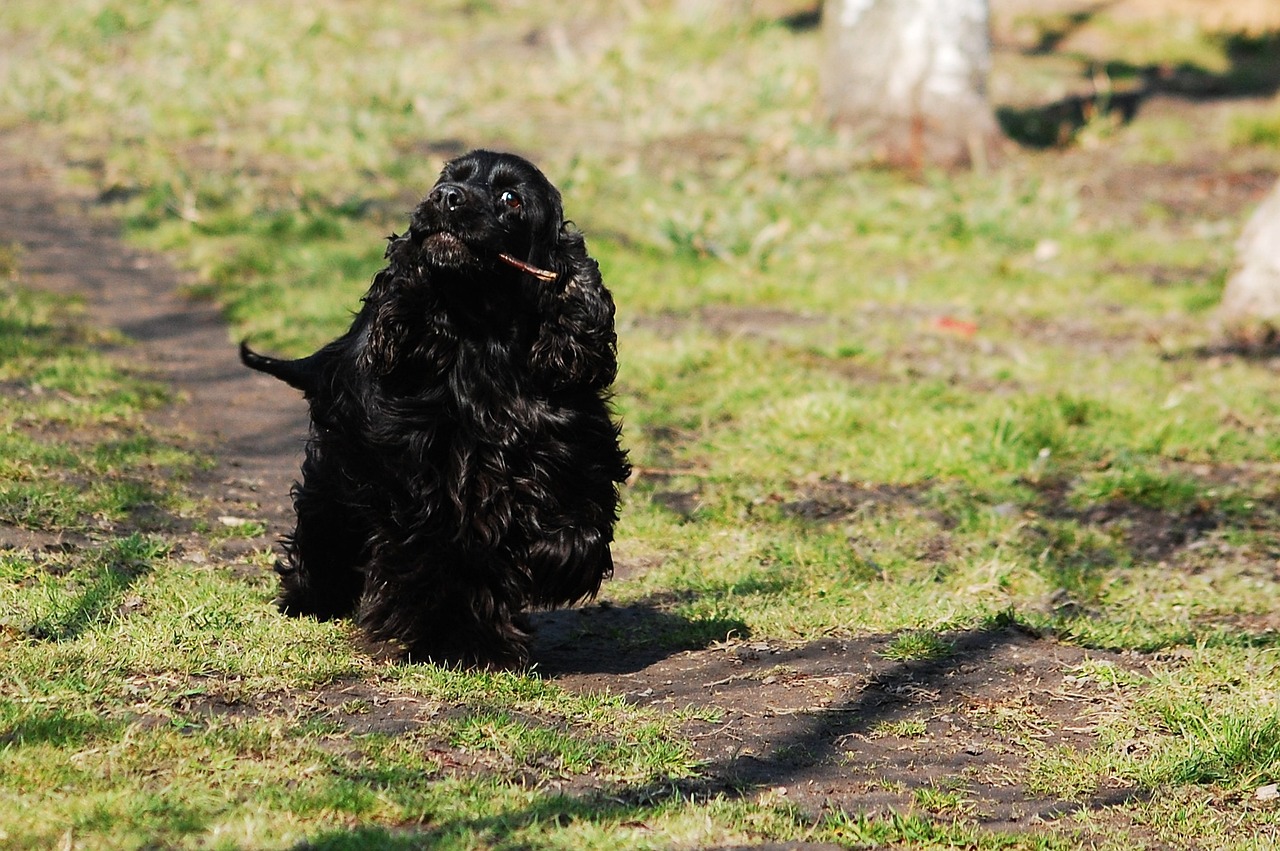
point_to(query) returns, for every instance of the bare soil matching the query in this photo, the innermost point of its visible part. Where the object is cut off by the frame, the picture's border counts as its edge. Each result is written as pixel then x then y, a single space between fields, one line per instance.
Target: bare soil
pixel 833 724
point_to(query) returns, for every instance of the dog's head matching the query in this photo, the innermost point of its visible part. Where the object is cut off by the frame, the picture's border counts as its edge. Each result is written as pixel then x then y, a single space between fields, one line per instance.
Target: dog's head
pixel 491 234
pixel 485 205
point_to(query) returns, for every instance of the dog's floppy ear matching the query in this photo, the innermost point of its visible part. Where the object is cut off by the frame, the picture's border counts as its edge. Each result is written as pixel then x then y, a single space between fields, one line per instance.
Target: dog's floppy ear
pixel 576 343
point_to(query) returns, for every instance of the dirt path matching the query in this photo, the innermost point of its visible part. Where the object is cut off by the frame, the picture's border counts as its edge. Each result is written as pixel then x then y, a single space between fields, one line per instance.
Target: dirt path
pixel 833 724
pixel 252 426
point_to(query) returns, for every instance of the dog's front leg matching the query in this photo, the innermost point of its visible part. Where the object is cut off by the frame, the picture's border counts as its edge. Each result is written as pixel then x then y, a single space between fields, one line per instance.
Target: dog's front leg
pixel 448 609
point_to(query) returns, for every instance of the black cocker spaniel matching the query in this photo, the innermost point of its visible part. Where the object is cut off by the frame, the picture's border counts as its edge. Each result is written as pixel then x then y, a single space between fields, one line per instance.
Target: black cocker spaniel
pixel 463 464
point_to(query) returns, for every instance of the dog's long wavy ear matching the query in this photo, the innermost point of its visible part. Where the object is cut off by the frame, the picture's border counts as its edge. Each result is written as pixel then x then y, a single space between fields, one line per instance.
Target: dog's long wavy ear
pixel 576 344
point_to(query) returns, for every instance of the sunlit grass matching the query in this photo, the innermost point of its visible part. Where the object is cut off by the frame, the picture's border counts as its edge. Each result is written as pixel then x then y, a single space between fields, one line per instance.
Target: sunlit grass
pixel 859 402
pixel 75 448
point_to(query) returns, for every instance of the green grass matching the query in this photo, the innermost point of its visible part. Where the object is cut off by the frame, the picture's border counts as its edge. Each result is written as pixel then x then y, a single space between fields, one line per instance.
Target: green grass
pixel 75 449
pixel 919 645
pixel 1196 735
pixel 1260 130
pixel 859 402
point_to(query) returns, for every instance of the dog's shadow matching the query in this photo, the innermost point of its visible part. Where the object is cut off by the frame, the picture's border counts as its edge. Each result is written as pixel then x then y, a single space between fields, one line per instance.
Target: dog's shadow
pixel 606 638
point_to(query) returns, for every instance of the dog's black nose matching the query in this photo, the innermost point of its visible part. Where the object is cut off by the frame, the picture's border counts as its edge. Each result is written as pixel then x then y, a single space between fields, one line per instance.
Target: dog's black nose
pixel 447 196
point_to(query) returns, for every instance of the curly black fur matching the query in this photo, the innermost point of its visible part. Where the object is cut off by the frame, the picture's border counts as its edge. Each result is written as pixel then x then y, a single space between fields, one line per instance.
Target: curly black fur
pixel 462 465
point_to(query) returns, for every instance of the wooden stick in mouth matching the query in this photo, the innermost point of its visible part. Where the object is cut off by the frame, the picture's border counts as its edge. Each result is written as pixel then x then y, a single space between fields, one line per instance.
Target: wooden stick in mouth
pixel 525 267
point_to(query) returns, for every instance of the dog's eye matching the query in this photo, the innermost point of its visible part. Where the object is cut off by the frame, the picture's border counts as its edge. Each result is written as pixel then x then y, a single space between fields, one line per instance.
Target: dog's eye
pixel 510 200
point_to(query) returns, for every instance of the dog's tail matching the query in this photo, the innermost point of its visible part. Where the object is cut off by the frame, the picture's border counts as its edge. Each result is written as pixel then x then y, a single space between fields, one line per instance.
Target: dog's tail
pixel 300 373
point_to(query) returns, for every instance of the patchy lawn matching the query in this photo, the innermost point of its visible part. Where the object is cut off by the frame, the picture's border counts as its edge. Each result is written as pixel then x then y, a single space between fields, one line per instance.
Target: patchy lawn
pixel 953 525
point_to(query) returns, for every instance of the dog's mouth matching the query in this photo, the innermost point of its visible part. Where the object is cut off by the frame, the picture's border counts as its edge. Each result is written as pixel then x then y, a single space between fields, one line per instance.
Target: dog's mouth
pixel 446 249
pixel 451 251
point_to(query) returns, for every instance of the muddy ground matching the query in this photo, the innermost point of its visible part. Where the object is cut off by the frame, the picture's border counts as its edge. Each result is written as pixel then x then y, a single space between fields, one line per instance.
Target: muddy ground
pixel 814 724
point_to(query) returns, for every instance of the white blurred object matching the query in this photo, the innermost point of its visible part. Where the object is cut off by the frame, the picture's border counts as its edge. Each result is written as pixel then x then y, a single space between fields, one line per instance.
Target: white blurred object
pixel 1251 300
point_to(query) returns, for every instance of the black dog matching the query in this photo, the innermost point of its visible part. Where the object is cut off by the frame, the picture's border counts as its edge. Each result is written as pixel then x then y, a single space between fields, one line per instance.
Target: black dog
pixel 462 464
